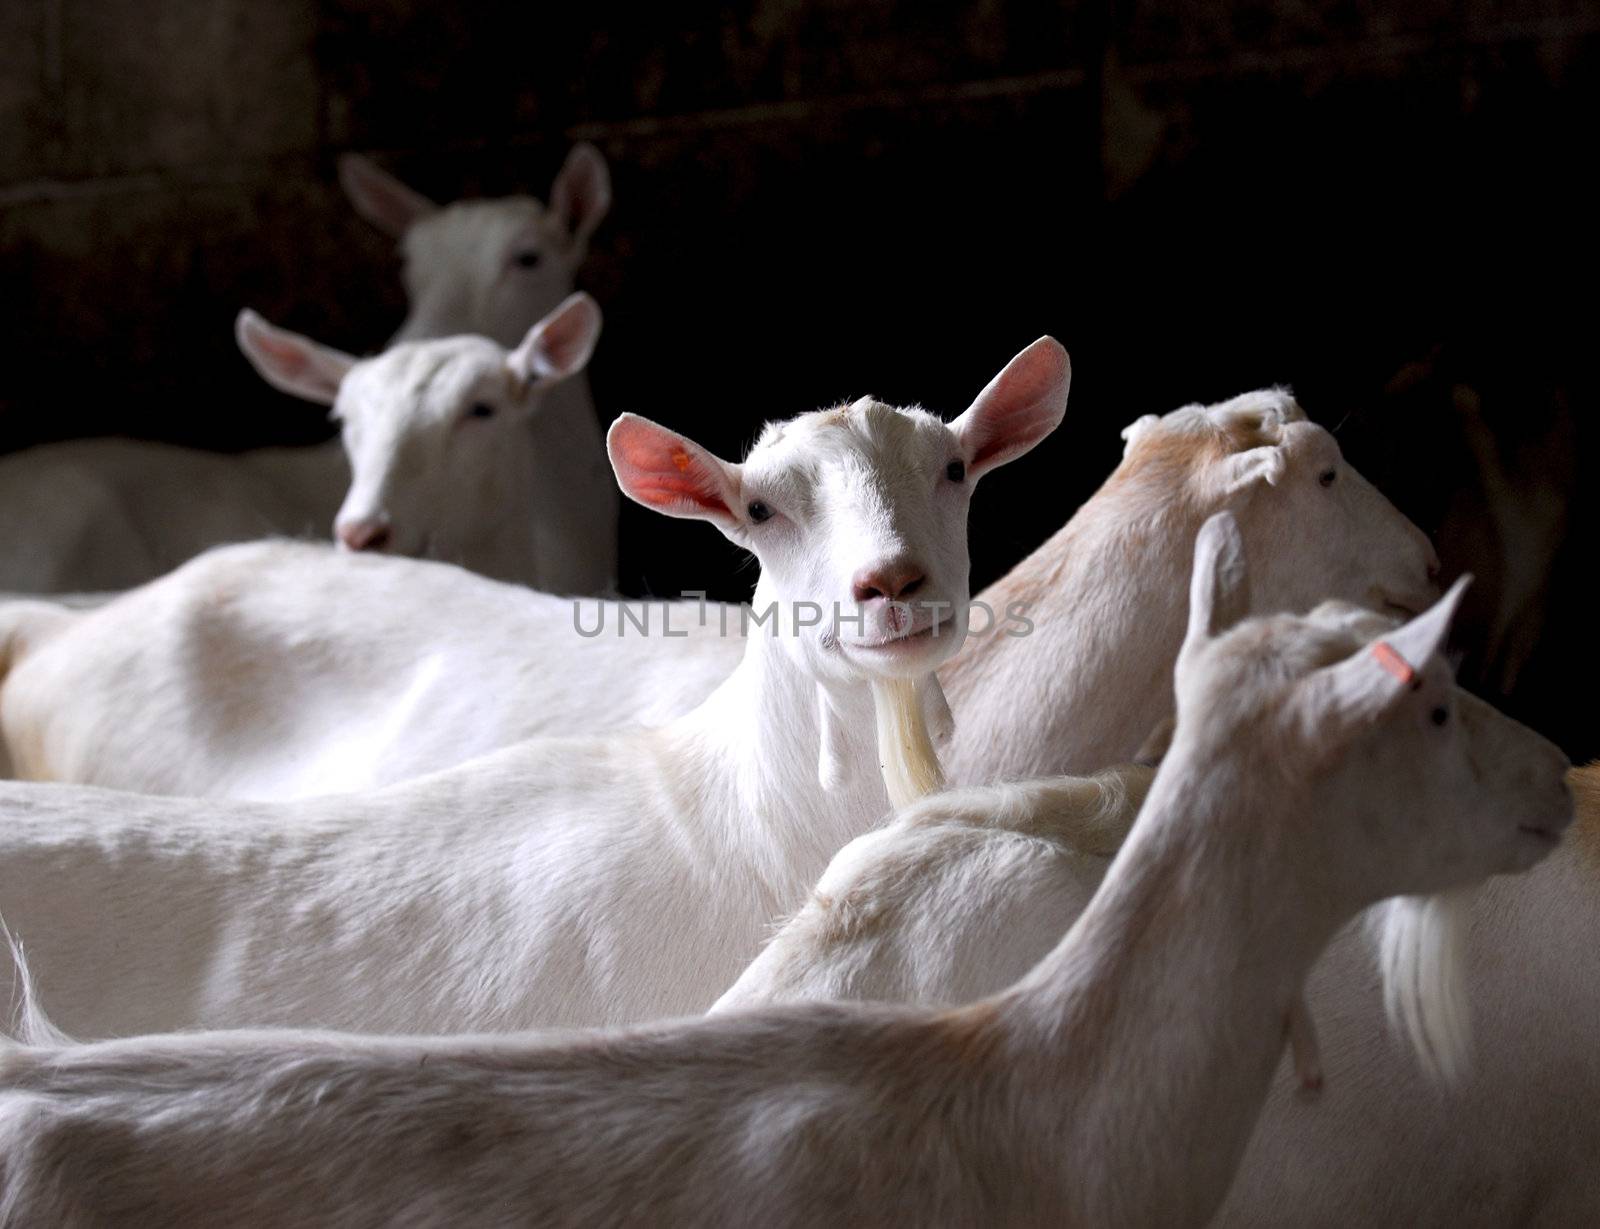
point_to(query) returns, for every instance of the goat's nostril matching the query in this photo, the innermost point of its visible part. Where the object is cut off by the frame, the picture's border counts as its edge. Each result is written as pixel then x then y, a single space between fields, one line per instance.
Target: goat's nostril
pixel 893 581
pixel 364 535
pixel 864 592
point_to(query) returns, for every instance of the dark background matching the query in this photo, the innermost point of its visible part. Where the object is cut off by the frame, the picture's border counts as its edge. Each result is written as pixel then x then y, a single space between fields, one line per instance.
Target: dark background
pixel 1386 206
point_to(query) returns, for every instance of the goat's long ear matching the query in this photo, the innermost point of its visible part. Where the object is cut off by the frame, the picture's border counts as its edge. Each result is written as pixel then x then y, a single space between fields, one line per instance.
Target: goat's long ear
pixel 381 198
pixel 1219 586
pixel 559 345
pixel 581 194
pixel 1017 409
pixel 1366 686
pixel 289 362
pixel 662 470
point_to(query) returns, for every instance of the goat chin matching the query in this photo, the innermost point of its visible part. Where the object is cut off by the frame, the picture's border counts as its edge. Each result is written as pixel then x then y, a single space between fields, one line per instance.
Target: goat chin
pixel 911 768
pixel 1421 945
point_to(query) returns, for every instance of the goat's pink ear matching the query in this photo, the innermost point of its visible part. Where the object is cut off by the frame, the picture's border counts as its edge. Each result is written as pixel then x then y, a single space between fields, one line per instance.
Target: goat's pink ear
pixel 662 470
pixel 581 195
pixel 381 198
pixel 1219 585
pixel 1018 408
pixel 289 362
pixel 1363 688
pixel 559 345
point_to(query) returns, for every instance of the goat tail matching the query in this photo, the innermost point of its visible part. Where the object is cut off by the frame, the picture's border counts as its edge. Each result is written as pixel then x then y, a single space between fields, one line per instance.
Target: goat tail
pixel 1422 954
pixel 24 622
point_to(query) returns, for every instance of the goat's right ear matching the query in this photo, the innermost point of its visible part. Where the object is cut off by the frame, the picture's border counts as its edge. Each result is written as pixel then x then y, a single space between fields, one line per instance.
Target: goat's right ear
pixel 1219 586
pixel 381 198
pixel 289 362
pixel 559 345
pixel 662 470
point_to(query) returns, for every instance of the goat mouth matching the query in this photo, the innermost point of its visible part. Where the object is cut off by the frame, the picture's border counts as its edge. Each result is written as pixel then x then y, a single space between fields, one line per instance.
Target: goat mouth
pixel 906 641
pixel 1550 836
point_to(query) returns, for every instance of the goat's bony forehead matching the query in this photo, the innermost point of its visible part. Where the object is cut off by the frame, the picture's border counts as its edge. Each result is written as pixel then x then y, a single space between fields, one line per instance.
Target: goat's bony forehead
pixel 427 380
pixel 468 229
pixel 863 436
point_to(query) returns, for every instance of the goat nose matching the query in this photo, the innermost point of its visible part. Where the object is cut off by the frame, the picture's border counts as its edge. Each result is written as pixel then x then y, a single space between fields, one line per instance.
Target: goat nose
pixel 892 581
pixel 364 535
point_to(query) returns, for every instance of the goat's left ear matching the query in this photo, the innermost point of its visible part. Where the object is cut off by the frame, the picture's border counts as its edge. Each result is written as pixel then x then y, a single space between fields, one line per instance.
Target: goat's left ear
pixel 1219 585
pixel 1362 689
pixel 1018 408
pixel 581 195
pixel 559 345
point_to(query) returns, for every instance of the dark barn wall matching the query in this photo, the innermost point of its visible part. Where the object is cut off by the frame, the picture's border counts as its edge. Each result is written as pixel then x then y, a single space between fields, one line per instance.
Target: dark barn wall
pixel 1385 206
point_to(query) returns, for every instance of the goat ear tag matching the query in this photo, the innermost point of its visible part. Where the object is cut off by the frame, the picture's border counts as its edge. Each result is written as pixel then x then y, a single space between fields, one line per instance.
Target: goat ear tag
pixel 1396 665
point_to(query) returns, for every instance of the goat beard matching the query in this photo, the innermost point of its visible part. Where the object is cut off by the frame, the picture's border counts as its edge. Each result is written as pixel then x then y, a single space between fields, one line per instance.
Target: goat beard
pixel 911 768
pixel 1422 955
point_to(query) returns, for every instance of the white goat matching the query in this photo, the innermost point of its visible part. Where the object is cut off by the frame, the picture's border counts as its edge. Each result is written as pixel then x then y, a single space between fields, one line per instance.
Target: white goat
pixel 949 901
pixel 444 460
pixel 106 514
pixel 561 880
pixel 493 267
pixel 320 677
pixel 1115 1085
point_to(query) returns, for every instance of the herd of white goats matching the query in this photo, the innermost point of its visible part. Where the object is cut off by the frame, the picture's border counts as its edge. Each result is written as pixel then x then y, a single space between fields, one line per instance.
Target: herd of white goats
pixel 287 789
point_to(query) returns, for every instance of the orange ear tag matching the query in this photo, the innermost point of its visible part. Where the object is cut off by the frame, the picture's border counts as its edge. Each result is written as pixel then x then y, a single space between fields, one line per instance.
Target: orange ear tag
pixel 681 460
pixel 1396 665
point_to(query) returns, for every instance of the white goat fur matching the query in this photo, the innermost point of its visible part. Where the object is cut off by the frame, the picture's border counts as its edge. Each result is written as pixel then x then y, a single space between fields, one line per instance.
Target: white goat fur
pixel 109 701
pixel 595 880
pixel 138 509
pixel 1149 1034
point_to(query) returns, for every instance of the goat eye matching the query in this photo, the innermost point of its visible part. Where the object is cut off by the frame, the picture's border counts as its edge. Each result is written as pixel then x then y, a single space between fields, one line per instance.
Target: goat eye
pixel 1439 715
pixel 1327 476
pixel 956 471
pixel 528 260
pixel 481 409
pixel 759 511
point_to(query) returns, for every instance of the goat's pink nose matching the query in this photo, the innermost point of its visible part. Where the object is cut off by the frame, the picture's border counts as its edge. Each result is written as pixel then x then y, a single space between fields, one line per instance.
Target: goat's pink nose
pixel 892 581
pixel 364 535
